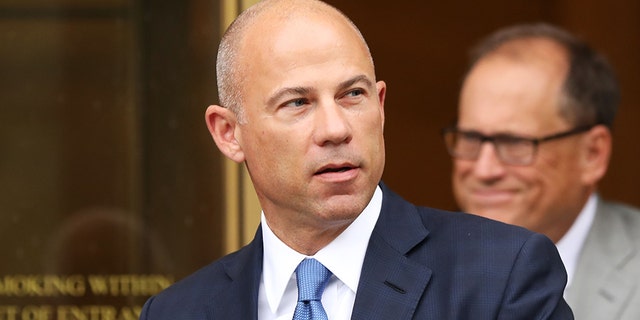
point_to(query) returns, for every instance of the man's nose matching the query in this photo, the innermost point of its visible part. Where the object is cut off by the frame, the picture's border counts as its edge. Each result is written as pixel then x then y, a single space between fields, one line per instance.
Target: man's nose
pixel 488 164
pixel 332 123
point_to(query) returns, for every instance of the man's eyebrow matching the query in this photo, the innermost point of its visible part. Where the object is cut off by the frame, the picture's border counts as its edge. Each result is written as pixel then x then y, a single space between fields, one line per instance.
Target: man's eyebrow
pixel 361 78
pixel 287 91
pixel 306 90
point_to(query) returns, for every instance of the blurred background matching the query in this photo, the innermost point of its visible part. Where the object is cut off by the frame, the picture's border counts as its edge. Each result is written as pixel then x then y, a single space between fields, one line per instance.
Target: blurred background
pixel 106 165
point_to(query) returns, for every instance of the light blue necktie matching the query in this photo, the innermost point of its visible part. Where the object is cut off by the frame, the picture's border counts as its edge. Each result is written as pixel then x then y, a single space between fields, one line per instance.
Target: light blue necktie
pixel 312 277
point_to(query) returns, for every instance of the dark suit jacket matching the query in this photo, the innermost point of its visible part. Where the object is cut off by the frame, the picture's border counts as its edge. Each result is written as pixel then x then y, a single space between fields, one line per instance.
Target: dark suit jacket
pixel 421 263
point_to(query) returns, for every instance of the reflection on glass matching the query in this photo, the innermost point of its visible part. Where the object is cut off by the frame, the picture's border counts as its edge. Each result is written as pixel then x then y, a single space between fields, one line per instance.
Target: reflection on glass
pixel 110 189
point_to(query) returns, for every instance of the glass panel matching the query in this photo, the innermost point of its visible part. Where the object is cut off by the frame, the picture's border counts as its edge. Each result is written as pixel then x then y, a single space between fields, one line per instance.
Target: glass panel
pixel 110 184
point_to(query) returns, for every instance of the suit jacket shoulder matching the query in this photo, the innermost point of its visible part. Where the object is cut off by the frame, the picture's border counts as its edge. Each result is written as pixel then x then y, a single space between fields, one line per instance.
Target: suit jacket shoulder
pixel 225 289
pixel 424 263
pixel 606 284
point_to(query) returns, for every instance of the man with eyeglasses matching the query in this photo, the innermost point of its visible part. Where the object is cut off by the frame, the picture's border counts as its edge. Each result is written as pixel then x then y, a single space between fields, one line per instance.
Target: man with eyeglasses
pixel 532 140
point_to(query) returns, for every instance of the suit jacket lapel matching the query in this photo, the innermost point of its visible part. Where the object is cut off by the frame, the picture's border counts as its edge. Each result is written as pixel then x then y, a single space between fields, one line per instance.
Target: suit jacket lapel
pixel 240 300
pixel 391 284
pixel 599 279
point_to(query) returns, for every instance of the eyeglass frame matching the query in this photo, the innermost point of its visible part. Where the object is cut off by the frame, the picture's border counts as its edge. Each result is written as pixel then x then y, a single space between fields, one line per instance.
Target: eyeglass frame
pixel 534 142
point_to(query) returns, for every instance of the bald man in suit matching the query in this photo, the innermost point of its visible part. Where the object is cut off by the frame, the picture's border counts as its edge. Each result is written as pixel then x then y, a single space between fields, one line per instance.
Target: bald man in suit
pixel 300 106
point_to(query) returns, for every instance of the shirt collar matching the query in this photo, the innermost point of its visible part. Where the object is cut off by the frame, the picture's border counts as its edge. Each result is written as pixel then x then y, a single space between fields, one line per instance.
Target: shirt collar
pixel 571 243
pixel 343 256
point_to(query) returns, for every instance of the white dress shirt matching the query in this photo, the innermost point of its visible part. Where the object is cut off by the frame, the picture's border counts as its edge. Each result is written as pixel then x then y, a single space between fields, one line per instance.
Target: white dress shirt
pixel 571 243
pixel 344 256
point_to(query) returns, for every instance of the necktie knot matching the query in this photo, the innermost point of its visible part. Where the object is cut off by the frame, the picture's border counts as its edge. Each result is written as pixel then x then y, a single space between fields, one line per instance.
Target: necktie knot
pixel 312 277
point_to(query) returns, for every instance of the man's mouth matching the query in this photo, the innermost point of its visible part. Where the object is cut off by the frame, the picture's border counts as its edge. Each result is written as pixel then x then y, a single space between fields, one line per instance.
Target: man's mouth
pixel 335 169
pixel 329 170
pixel 493 196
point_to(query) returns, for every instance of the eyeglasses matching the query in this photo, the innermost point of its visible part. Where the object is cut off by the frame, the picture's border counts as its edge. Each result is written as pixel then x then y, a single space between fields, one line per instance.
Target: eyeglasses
pixel 511 150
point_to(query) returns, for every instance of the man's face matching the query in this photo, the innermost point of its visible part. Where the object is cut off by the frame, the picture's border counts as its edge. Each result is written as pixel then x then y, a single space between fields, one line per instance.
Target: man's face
pixel 313 132
pixel 503 96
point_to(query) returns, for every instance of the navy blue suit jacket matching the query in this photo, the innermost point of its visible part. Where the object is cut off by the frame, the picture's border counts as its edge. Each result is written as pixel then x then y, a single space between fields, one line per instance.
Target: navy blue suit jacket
pixel 421 263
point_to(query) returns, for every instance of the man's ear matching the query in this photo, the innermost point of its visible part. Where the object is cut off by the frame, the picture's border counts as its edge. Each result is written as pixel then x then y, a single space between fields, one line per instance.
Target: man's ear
pixel 596 155
pixel 222 124
pixel 381 87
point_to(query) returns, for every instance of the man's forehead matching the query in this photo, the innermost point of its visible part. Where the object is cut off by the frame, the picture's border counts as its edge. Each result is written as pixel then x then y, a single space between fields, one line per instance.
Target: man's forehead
pixel 297 42
pixel 532 50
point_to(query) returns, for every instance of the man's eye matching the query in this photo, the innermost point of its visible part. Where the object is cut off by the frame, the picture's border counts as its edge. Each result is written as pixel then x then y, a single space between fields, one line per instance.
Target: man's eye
pixel 355 93
pixel 296 103
pixel 512 141
pixel 470 136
